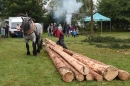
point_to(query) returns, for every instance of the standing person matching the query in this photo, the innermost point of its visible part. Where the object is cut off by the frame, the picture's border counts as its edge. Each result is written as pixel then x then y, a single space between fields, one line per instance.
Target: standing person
pixel 3 32
pixel 60 27
pixel 67 30
pixel 74 33
pixel 49 30
pixel 52 27
pixel 60 35
pixel 21 32
pixel 18 31
pixel 77 31
pixel 72 29
pixel 6 30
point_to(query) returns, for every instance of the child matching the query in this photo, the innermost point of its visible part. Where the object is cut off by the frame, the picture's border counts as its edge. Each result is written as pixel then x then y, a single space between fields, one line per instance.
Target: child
pixel 74 33
pixel 3 32
pixel 77 31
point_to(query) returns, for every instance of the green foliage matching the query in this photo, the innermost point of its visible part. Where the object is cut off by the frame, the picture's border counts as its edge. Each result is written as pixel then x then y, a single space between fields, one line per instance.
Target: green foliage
pixel 14 7
pixel 118 11
pixel 115 9
pixel 108 41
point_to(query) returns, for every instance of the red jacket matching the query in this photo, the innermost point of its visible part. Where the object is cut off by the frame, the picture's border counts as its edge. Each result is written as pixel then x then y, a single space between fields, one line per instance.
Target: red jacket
pixel 58 34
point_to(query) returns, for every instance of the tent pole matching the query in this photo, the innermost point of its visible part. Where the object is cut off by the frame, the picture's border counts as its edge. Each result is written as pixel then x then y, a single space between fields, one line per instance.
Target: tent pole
pixel 110 25
pixel 101 27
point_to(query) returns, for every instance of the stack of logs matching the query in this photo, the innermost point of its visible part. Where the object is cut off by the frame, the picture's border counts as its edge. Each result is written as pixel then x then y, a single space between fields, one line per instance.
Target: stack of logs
pixel 72 65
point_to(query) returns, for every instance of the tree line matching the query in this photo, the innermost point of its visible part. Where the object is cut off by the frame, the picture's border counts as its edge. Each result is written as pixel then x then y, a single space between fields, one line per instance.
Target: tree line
pixel 117 10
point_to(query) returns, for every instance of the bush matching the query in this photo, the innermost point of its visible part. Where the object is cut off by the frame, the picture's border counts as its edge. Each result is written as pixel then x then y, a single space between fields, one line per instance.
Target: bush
pixel 109 41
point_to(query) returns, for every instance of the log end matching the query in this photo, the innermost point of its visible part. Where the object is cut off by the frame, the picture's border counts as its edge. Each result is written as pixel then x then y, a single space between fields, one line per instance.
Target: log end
pixel 110 73
pixel 123 75
pixel 99 78
pixel 84 70
pixel 89 77
pixel 79 77
pixel 68 77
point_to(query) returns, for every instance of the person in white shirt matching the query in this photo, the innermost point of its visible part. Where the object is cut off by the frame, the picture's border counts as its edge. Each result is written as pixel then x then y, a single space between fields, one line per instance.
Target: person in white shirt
pixel 18 31
pixel 60 27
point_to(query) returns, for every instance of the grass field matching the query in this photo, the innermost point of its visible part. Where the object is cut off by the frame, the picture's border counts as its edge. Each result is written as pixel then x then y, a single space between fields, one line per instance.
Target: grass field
pixel 18 69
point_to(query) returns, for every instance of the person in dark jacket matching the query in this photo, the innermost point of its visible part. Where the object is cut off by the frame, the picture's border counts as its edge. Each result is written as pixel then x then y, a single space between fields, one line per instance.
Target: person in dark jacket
pixel 67 30
pixel 6 30
pixel 60 35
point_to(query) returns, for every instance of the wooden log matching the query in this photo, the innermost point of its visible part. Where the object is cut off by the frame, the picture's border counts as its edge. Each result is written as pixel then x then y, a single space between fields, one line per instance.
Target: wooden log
pixel 72 53
pixel 89 77
pixel 65 73
pixel 123 75
pixel 96 76
pixel 48 41
pixel 78 76
pixel 108 72
pixel 82 68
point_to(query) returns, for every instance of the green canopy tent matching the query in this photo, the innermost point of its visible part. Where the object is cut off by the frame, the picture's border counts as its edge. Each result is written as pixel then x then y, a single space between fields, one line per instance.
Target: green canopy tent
pixel 98 17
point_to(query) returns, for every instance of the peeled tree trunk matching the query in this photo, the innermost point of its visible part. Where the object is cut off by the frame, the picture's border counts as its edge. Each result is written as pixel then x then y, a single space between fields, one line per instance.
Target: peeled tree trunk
pixel 53 44
pixel 78 76
pixel 107 71
pixel 97 70
pixel 122 74
pixel 64 71
pixel 89 77
pixel 82 68
pixel 96 76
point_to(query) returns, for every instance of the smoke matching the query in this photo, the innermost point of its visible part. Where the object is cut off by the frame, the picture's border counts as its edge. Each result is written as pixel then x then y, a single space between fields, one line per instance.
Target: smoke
pixel 64 9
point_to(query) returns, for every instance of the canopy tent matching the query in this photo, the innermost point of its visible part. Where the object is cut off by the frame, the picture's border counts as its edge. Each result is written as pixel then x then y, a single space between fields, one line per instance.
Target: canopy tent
pixel 98 17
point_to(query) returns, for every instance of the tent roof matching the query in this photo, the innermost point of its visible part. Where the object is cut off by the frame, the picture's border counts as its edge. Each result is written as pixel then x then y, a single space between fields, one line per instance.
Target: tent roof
pixel 97 17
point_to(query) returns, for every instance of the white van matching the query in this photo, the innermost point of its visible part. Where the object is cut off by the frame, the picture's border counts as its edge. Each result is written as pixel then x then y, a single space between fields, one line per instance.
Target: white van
pixel 13 21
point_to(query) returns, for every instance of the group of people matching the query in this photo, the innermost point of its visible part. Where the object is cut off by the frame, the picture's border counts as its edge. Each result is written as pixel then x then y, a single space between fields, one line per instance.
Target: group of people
pixel 71 30
pixel 59 31
pixel 5 31
pixel 67 29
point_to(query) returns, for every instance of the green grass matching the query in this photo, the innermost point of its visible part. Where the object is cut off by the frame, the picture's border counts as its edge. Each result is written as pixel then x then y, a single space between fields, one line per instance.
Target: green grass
pixel 18 69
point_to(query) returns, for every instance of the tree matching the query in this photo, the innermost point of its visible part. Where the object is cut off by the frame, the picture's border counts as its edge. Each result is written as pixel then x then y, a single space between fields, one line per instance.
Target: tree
pixel 118 10
pixel 31 7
